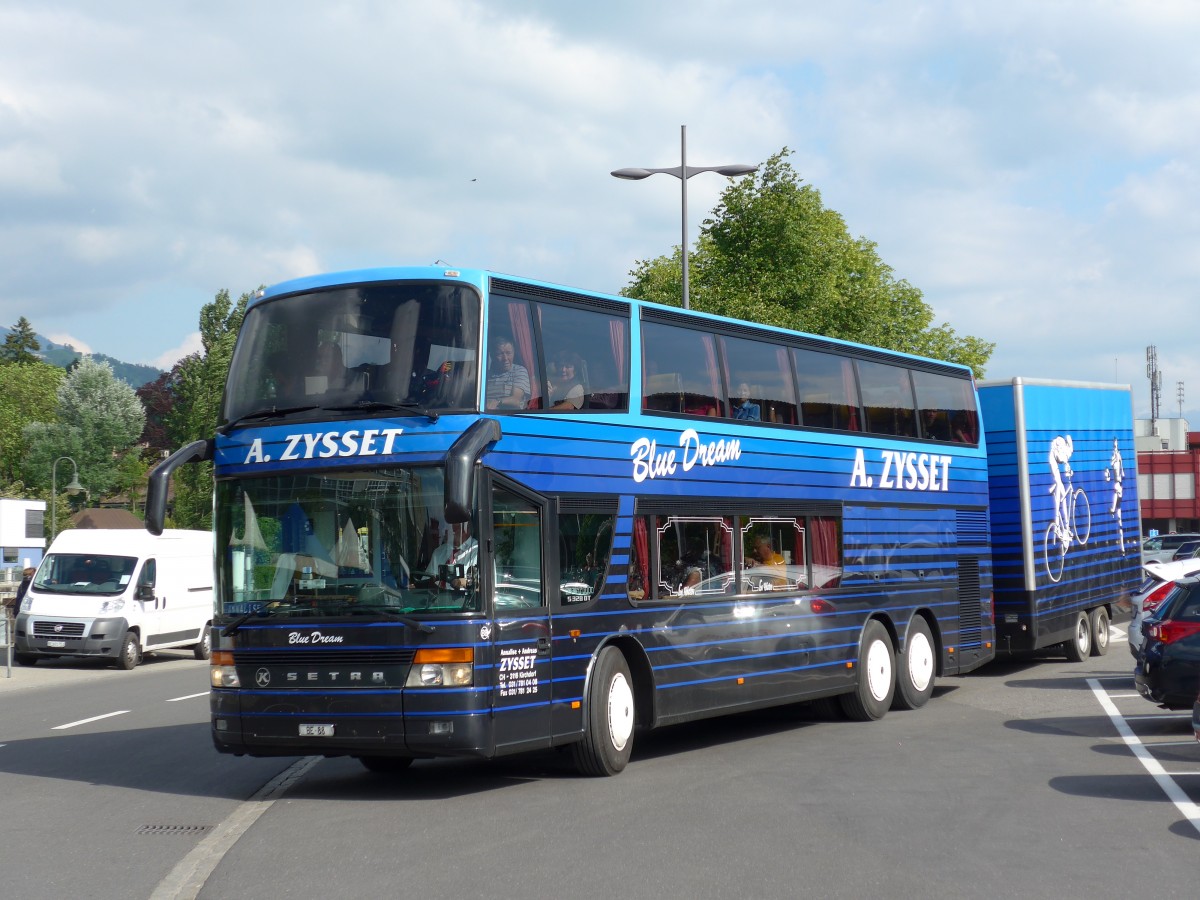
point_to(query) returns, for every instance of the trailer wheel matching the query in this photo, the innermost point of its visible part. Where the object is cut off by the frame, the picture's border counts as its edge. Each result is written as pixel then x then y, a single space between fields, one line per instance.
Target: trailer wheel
pixel 203 650
pixel 611 715
pixel 1079 647
pixel 915 667
pixel 876 687
pixel 131 652
pixel 1098 622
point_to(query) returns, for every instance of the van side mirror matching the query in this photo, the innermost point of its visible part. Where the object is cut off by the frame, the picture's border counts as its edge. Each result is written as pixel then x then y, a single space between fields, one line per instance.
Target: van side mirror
pixel 144 592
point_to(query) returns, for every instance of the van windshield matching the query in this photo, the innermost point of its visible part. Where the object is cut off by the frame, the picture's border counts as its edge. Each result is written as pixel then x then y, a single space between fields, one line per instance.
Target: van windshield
pixel 77 573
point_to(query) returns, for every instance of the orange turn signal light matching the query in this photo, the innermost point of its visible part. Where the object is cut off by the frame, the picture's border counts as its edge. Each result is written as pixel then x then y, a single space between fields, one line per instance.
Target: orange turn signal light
pixel 444 655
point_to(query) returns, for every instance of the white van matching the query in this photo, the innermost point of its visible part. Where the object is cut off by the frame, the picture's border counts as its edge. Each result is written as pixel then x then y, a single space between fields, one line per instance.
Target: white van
pixel 117 593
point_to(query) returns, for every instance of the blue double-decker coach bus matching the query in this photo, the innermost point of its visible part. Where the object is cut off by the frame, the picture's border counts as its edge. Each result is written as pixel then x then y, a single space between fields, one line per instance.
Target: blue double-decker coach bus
pixel 459 513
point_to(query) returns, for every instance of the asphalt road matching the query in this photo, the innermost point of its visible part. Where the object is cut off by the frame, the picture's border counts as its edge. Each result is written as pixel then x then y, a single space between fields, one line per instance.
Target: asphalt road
pixel 1030 778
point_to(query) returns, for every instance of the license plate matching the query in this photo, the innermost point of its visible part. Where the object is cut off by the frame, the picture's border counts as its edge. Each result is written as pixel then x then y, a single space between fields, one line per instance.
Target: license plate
pixel 316 731
pixel 56 643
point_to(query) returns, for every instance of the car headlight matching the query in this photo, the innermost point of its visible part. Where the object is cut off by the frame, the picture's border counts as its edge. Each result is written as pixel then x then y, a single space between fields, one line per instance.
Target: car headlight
pixel 112 606
pixel 221 671
pixel 442 667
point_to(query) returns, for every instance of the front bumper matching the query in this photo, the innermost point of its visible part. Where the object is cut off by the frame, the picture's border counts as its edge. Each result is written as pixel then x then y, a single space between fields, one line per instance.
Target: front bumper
pixel 60 636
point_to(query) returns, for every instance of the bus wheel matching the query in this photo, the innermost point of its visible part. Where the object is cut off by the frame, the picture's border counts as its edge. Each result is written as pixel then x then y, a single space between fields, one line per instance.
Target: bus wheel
pixel 131 652
pixel 608 731
pixel 1098 623
pixel 872 696
pixel 915 668
pixel 386 765
pixel 203 650
pixel 1079 647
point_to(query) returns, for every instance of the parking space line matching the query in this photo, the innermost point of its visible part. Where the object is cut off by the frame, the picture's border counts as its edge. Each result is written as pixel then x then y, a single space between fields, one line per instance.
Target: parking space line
pixel 1174 792
pixel 119 712
pixel 1161 715
pixel 1128 696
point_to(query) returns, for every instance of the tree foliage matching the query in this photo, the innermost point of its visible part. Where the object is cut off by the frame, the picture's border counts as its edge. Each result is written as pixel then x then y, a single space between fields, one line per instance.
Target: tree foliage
pixel 772 253
pixel 98 422
pixel 198 383
pixel 29 394
pixel 20 344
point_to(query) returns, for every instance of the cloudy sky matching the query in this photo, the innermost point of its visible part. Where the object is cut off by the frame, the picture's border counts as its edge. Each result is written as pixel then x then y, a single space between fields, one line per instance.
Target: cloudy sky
pixel 1033 167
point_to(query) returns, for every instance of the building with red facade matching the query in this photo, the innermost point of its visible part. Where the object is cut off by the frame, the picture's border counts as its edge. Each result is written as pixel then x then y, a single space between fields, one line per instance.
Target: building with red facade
pixel 1168 461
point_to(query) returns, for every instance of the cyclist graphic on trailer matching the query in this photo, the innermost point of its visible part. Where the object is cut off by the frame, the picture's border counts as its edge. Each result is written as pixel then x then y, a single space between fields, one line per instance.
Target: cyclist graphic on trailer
pixel 1061 449
pixel 1116 473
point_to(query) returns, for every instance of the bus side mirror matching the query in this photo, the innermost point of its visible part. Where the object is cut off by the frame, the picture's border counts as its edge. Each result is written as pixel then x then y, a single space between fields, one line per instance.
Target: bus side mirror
pixel 159 481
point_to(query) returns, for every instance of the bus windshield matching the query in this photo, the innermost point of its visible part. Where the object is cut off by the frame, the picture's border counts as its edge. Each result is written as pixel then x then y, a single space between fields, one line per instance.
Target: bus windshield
pixel 378 346
pixel 345 544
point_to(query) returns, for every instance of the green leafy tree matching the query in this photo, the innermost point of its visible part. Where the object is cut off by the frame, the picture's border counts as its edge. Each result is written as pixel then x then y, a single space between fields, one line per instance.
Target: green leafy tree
pixel 98 420
pixel 20 344
pixel 772 253
pixel 198 383
pixel 29 394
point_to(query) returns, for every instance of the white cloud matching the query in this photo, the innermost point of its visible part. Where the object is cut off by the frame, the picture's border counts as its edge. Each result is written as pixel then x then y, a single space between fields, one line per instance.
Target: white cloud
pixel 166 361
pixel 68 340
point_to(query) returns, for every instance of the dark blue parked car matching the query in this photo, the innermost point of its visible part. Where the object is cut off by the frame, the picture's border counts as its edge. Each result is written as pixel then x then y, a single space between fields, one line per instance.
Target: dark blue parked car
pixel 1168 662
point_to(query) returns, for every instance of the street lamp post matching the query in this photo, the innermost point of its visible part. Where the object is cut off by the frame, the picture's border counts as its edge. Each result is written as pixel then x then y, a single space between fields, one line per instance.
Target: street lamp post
pixel 683 173
pixel 74 488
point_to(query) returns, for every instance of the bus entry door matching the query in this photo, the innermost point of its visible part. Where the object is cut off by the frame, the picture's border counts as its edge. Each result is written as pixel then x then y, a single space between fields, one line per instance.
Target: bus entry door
pixel 521 674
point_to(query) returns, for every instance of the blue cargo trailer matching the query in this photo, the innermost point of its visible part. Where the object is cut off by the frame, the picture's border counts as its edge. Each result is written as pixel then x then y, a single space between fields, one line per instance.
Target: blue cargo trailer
pixel 1062 475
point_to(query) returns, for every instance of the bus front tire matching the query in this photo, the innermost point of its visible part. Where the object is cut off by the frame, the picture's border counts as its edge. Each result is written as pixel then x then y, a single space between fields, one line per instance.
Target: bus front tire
pixel 1079 647
pixel 872 696
pixel 915 667
pixel 611 716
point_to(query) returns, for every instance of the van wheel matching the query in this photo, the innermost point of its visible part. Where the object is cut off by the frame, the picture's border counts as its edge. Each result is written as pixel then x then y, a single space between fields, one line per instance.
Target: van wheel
pixel 25 659
pixel 1098 620
pixel 131 652
pixel 203 650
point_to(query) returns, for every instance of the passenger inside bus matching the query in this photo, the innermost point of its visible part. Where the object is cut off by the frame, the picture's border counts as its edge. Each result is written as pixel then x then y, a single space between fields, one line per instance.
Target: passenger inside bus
pixel 508 380
pixel 566 386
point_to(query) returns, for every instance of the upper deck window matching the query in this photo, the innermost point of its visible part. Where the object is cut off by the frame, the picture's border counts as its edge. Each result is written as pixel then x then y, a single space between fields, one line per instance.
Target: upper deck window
pixel 555 357
pixel 760 381
pixel 887 399
pixel 405 343
pixel 681 372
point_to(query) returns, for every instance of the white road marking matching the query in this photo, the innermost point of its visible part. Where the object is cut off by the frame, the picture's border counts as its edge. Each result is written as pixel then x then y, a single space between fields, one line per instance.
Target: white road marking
pixel 186 880
pixel 119 712
pixel 188 697
pixel 1174 792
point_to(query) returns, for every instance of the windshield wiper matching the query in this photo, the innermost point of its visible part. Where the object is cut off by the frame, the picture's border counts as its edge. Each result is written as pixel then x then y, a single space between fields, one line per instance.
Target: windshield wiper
pixel 423 627
pixel 232 628
pixel 407 407
pixel 268 412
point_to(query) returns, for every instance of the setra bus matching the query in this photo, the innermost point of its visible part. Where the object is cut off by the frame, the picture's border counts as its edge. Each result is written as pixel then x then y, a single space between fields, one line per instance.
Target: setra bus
pixel 459 513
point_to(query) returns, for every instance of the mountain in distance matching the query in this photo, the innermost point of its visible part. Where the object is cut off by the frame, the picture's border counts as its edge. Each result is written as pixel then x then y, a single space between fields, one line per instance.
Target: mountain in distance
pixel 62 355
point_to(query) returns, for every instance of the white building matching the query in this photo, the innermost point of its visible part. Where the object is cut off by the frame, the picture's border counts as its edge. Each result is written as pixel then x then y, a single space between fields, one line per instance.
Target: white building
pixel 22 536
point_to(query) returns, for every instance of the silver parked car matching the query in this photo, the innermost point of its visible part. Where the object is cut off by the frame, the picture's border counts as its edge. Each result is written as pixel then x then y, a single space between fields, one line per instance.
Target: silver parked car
pixel 1162 547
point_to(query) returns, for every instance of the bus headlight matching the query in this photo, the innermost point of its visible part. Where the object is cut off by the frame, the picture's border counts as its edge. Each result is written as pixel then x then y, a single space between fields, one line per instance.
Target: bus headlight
pixel 221 672
pixel 442 667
